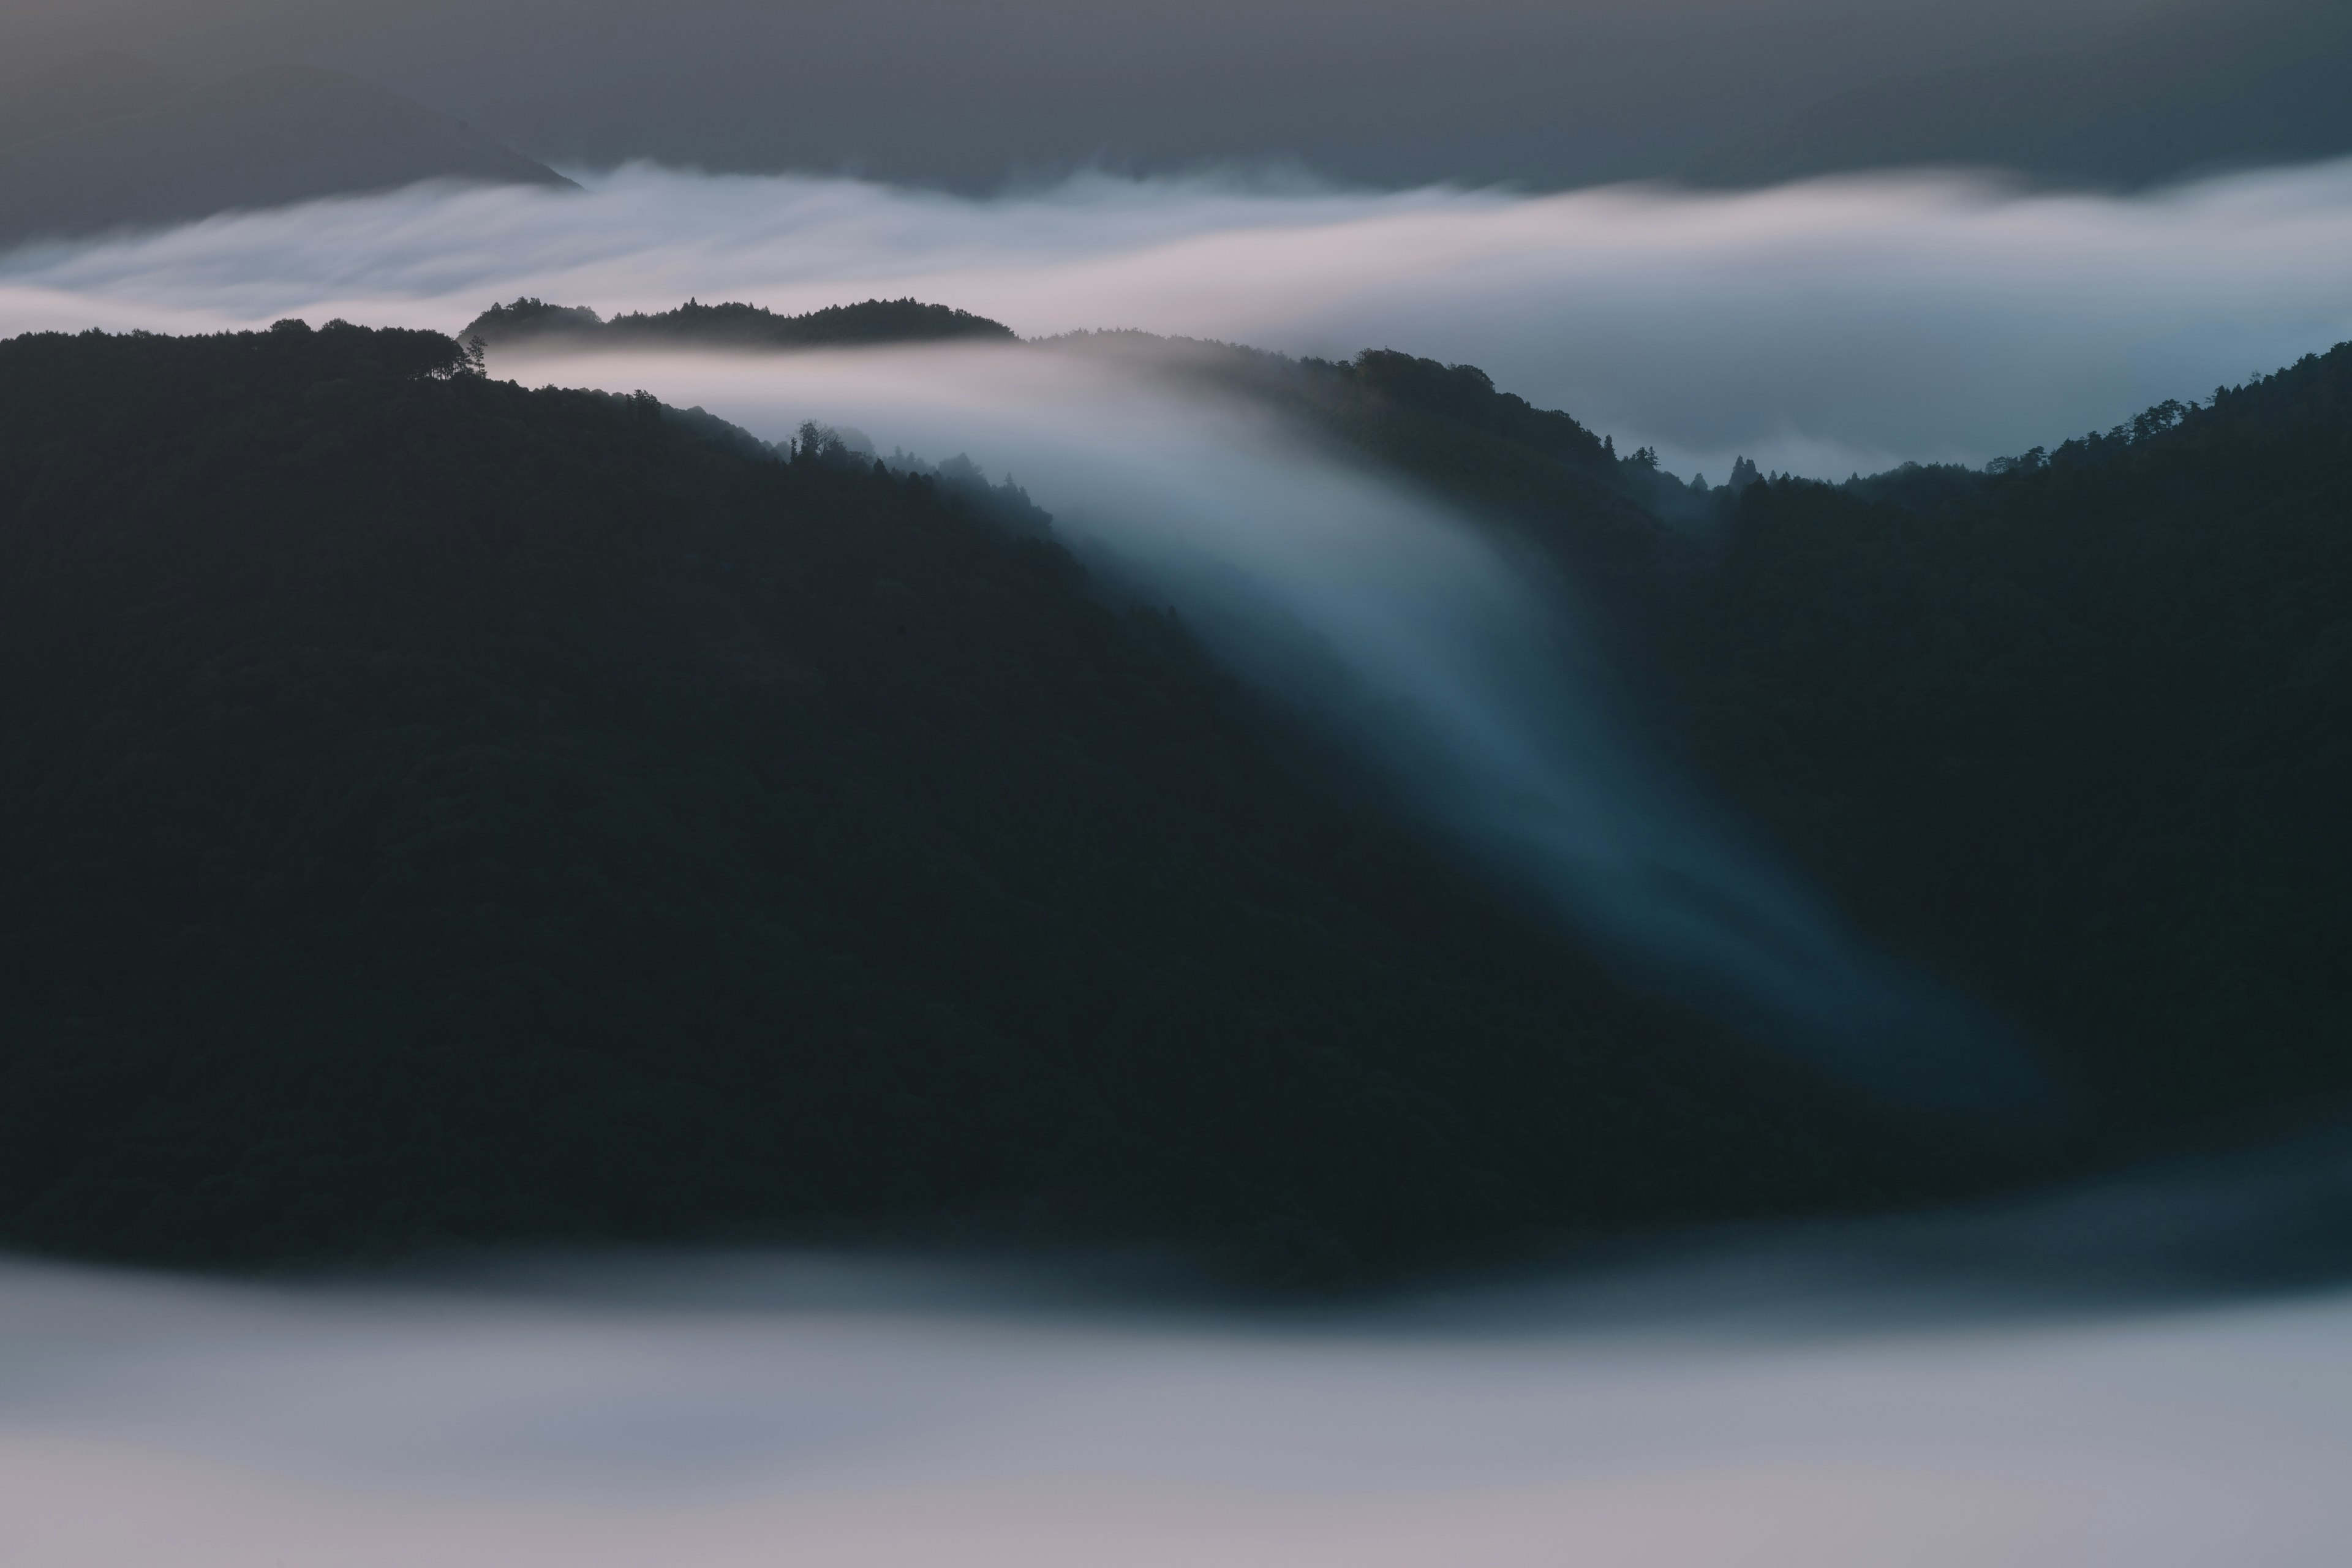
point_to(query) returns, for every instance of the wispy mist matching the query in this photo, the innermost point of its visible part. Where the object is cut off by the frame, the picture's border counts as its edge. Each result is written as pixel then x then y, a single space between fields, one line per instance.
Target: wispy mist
pixel 1422 645
pixel 1823 327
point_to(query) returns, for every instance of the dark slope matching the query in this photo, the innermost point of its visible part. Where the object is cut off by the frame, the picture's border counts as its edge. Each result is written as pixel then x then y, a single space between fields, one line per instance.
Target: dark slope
pixel 2084 725
pixel 1449 428
pixel 535 322
pixel 435 809
pixel 2213 85
pixel 262 140
pixel 2078 733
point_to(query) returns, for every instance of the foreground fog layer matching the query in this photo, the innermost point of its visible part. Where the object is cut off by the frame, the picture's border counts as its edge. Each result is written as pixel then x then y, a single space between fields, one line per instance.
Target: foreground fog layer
pixel 780 1411
pixel 1821 327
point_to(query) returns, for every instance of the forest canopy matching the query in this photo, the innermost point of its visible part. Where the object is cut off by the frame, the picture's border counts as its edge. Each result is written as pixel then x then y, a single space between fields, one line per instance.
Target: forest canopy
pixel 442 811
pixel 733 325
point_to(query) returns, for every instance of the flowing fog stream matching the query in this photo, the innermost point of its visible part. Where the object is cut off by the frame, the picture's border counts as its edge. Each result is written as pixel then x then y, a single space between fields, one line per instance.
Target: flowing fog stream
pixel 1448 663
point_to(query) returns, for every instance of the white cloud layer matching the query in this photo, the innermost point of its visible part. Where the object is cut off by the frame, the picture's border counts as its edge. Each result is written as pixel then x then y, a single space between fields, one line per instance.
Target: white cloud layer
pixel 1821 327
pixel 780 1411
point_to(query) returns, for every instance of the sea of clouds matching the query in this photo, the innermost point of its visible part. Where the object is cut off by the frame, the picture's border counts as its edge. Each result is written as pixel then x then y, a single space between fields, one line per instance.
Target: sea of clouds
pixel 722 1412
pixel 2074 1379
pixel 1823 327
pixel 693 1412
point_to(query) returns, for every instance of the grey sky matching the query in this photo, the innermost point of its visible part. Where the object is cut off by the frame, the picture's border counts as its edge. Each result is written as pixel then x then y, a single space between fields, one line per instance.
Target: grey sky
pixel 949 91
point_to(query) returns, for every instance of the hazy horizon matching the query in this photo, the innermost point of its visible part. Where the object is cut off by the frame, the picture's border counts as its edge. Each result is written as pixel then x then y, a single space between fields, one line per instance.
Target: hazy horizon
pixel 1819 328
pixel 1808 945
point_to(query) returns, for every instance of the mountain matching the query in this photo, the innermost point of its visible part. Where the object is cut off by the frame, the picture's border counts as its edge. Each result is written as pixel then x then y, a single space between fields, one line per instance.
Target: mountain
pixel 2214 85
pixel 2074 729
pixel 2079 726
pixel 111 149
pixel 443 811
pixel 2073 732
pixel 731 326
pixel 438 810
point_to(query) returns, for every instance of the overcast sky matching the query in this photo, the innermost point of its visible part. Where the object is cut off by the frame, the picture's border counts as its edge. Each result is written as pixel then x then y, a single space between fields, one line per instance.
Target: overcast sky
pixel 1542 92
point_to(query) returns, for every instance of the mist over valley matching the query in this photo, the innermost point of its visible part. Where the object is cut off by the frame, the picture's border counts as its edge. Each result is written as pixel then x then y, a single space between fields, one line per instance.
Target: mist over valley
pixel 1315 783
pixel 1816 328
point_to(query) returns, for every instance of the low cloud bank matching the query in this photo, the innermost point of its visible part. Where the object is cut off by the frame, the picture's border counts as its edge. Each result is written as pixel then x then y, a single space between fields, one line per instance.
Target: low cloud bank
pixel 704 1413
pixel 1819 327
pixel 2063 1380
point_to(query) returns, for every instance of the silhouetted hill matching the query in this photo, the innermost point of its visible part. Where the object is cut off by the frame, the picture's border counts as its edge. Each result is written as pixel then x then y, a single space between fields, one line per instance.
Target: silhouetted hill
pixel 2084 726
pixel 437 810
pixel 2074 732
pixel 262 140
pixel 2217 84
pixel 1450 428
pixel 735 326
pixel 442 810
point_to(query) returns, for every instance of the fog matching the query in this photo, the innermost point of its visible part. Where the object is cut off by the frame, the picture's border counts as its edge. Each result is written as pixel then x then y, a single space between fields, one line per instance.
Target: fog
pixel 2133 1371
pixel 1451 665
pixel 2027 1388
pixel 1819 328
pixel 1760 1406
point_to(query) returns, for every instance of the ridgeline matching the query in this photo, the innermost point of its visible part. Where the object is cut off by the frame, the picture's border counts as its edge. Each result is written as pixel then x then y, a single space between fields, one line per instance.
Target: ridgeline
pixel 529 322
pixel 444 812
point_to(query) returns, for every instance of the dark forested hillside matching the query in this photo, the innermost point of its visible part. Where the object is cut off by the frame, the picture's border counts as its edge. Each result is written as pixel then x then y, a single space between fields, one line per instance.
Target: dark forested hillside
pixel 1450 429
pixel 437 810
pixel 2086 722
pixel 732 326
pixel 2077 731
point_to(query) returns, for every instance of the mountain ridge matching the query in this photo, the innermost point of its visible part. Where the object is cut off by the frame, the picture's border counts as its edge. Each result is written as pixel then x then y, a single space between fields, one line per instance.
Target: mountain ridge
pixel 528 322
